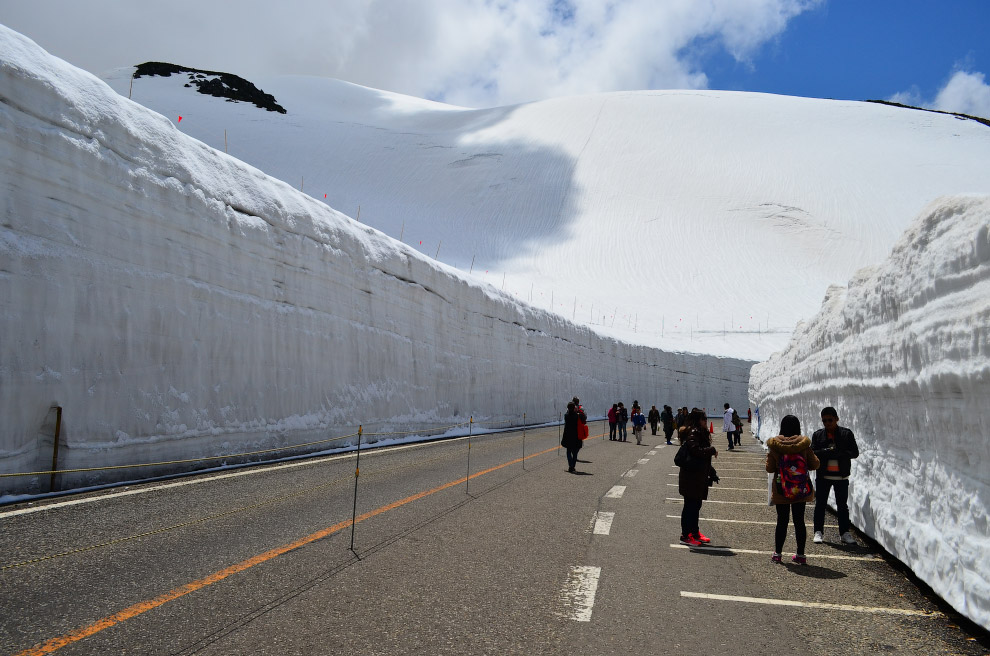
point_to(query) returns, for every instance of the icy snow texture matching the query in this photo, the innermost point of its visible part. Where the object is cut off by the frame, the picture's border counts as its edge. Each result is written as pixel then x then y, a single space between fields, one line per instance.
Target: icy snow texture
pixel 178 303
pixel 903 353
pixel 604 195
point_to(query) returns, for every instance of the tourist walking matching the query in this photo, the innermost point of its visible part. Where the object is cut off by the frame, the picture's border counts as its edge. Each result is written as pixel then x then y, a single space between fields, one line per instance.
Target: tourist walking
pixel 653 418
pixel 791 460
pixel 638 422
pixel 737 424
pixel 727 424
pixel 835 447
pixel 694 457
pixel 623 417
pixel 667 417
pixel 612 420
pixel 571 439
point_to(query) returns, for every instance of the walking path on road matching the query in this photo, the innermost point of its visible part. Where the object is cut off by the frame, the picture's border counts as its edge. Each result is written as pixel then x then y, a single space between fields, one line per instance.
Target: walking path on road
pixel 525 558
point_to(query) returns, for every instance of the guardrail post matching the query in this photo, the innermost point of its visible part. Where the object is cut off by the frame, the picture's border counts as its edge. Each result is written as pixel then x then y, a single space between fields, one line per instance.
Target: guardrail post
pixel 560 420
pixel 524 440
pixel 357 473
pixel 58 432
pixel 467 481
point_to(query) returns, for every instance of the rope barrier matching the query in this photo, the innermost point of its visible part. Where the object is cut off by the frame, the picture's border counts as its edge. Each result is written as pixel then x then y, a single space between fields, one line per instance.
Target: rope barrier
pixel 230 455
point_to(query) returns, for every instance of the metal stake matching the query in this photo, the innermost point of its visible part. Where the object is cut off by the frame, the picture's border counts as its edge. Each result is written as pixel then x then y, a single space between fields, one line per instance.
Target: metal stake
pixel 357 471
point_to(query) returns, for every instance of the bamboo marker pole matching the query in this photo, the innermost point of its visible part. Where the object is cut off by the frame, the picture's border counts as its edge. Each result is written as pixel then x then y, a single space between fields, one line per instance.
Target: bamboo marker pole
pixel 225 141
pixel 438 250
pixel 471 270
pixel 524 441
pixel 467 480
pixel 131 88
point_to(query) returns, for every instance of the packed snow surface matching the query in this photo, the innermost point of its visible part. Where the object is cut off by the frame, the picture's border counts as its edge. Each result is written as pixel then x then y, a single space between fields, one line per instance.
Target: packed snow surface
pixel 903 354
pixel 702 221
pixel 178 303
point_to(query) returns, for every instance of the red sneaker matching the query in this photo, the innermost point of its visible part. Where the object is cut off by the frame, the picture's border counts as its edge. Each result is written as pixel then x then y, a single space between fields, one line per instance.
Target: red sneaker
pixel 690 541
pixel 700 537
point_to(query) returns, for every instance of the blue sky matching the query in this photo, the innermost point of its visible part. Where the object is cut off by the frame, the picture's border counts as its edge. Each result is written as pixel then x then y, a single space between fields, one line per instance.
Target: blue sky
pixel 482 53
pixel 864 50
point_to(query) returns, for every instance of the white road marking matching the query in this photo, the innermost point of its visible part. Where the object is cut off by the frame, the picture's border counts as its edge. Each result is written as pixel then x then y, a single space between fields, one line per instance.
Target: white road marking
pixel 578 595
pixel 603 522
pixel 740 521
pixel 737 489
pixel 767 553
pixel 738 503
pixel 811 604
pixel 643 461
pixel 632 472
pixel 652 453
pixel 733 478
pixel 616 492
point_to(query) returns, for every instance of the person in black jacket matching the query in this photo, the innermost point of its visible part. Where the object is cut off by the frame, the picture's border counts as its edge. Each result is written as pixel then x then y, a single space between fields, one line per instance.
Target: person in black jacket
pixel 696 477
pixel 571 439
pixel 835 447
pixel 654 419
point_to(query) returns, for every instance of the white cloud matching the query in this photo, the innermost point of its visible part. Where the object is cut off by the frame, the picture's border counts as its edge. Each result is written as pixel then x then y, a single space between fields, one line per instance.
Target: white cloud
pixel 469 52
pixel 964 93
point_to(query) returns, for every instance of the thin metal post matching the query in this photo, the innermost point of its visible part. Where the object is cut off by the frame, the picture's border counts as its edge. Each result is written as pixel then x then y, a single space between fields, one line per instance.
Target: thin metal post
pixel 560 418
pixel 58 431
pixel 467 481
pixel 357 472
pixel 524 440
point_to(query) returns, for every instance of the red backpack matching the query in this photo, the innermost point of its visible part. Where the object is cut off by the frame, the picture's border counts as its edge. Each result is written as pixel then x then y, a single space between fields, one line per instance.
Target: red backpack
pixel 793 478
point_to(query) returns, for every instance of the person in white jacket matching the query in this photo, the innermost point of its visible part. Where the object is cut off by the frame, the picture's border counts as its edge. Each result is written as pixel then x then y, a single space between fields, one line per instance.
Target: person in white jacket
pixel 727 425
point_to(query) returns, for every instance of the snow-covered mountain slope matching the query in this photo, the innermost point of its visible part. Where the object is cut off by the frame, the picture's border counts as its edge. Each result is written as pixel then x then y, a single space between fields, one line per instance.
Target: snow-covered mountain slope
pixel 903 353
pixel 178 303
pixel 660 217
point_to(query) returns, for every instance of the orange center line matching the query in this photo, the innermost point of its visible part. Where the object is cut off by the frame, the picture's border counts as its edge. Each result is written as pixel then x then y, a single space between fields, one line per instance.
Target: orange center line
pixel 142 607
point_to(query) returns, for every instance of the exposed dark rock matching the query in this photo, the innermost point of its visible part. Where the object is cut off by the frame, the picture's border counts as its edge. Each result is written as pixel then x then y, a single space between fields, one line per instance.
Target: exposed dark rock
pixel 935 111
pixel 212 83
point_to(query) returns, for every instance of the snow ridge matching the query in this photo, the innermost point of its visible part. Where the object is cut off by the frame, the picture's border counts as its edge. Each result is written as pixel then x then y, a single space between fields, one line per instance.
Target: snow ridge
pixel 903 353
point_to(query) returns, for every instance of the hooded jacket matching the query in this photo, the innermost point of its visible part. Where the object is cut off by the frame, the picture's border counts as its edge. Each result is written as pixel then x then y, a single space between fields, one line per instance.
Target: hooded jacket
pixel 692 483
pixel 780 445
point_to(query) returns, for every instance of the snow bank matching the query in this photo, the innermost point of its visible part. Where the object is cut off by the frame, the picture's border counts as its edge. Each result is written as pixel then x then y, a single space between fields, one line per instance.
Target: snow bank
pixel 178 303
pixel 903 353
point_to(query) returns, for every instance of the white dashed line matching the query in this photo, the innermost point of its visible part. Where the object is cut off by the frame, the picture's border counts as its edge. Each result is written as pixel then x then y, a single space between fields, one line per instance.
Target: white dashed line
pixel 603 522
pixel 737 489
pixel 767 553
pixel 735 503
pixel 652 453
pixel 740 521
pixel 642 461
pixel 616 492
pixel 578 595
pixel 811 604
pixel 631 473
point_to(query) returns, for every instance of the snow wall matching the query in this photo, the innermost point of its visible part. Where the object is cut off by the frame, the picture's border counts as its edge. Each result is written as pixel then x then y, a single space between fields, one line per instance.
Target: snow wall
pixel 178 303
pixel 903 354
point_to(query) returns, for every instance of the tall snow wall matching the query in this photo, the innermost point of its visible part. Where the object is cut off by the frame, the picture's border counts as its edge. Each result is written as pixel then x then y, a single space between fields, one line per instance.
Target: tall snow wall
pixel 178 303
pixel 903 354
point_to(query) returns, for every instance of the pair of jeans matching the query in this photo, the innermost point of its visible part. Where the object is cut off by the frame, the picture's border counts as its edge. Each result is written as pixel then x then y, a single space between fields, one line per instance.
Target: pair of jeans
pixel 729 435
pixel 796 510
pixel 690 514
pixel 611 430
pixel 572 458
pixel 841 502
pixel 622 431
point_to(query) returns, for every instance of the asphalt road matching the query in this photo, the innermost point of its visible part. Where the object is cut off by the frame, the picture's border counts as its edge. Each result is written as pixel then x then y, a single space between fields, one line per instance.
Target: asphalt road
pixel 523 558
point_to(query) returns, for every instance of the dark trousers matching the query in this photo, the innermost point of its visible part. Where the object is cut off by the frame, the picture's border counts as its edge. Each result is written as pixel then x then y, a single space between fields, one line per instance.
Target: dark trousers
pixel 622 431
pixel 729 435
pixel 653 425
pixel 611 430
pixel 667 432
pixel 689 516
pixel 572 457
pixel 841 502
pixel 784 512
pixel 738 436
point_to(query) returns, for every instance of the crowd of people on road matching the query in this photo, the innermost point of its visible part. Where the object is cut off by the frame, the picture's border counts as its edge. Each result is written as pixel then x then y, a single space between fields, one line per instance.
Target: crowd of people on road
pixel 791 457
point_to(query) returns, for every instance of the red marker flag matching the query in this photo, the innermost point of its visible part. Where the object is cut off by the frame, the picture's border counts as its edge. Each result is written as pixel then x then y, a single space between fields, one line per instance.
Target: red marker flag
pixel 180 119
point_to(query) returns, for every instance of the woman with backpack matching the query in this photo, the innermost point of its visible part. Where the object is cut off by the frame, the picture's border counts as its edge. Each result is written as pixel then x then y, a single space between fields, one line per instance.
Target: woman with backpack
pixel 638 422
pixel 791 460
pixel 696 475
